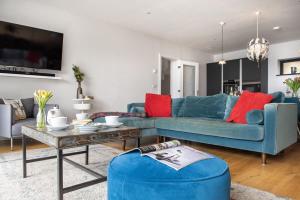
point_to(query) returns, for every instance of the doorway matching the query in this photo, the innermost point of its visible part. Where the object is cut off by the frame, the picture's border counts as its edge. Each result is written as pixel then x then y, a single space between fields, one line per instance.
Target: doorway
pixel 178 78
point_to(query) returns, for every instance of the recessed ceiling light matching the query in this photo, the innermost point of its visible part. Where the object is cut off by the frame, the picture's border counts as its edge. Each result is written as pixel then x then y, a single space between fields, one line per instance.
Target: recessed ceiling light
pixel 276 27
pixel 148 13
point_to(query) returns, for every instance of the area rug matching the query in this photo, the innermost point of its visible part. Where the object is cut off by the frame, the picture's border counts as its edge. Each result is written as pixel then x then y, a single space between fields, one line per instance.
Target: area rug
pixel 41 181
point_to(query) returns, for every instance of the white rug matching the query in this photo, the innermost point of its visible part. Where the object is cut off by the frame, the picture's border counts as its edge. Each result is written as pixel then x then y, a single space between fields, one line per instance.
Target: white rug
pixel 41 181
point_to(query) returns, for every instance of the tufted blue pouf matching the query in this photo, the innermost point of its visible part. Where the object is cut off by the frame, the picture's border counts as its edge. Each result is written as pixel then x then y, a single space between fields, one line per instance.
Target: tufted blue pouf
pixel 133 177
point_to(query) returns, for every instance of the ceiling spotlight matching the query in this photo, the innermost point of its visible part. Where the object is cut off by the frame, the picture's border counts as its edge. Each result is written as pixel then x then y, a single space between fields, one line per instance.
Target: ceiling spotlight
pixel 148 13
pixel 276 28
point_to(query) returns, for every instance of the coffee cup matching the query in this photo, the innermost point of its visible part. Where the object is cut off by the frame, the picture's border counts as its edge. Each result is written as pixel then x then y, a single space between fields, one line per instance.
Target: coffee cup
pixel 112 120
pixel 81 116
pixel 58 121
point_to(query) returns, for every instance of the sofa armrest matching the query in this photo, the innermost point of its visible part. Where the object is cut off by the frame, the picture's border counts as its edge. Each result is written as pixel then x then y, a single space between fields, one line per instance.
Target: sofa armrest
pixel 47 108
pixel 6 120
pixel 280 127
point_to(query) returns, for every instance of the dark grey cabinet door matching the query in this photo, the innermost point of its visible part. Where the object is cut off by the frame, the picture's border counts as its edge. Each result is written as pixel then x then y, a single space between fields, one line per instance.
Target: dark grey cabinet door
pixel 231 70
pixel 250 71
pixel 264 75
pixel 213 78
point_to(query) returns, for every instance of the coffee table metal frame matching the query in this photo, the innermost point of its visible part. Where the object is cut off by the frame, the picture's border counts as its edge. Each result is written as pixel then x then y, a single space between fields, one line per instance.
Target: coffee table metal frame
pixel 70 139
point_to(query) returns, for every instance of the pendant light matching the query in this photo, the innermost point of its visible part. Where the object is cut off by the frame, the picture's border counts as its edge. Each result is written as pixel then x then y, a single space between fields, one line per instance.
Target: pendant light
pixel 222 61
pixel 258 48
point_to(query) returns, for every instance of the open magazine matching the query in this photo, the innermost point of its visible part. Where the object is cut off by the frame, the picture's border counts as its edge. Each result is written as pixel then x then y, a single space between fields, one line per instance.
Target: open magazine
pixel 173 154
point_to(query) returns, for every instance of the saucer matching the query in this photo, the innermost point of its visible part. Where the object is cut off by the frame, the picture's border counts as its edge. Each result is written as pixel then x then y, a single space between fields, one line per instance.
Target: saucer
pixel 114 125
pixel 58 128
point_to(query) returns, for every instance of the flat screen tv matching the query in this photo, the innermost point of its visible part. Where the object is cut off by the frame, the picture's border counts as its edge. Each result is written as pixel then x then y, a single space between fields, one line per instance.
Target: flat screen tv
pixel 23 46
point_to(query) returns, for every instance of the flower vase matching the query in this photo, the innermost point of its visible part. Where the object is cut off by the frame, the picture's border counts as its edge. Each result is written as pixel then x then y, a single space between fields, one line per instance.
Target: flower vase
pixel 41 118
pixel 79 90
pixel 295 94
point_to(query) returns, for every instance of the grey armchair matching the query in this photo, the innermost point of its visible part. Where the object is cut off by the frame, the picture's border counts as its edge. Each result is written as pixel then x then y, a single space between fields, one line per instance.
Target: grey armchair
pixel 11 129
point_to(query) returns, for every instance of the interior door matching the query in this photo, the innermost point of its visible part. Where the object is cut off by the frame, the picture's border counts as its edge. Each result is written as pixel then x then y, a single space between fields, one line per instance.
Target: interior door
pixel 184 78
pixel 189 79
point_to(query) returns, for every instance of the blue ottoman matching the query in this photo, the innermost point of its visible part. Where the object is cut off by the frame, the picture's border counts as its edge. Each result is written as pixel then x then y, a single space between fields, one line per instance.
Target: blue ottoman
pixel 133 177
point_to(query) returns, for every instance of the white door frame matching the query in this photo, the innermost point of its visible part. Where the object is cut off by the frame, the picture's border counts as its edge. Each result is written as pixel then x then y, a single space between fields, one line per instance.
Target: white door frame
pixel 182 62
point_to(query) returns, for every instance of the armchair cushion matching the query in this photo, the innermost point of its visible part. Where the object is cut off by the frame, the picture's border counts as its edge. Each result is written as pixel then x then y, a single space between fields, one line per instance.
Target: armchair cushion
pixel 18 108
pixel 16 128
pixel 28 106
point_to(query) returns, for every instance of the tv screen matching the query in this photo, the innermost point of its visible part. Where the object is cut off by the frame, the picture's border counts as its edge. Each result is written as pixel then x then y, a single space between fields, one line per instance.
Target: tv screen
pixel 24 46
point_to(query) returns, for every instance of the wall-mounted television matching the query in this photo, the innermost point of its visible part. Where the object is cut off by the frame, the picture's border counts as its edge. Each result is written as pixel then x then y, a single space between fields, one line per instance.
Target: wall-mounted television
pixel 23 46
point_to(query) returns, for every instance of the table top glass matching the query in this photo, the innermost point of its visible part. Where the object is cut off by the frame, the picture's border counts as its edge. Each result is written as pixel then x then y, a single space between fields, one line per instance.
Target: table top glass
pixel 71 131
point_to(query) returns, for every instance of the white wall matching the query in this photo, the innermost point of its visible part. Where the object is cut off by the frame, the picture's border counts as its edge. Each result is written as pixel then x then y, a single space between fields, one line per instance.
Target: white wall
pixel 277 52
pixel 117 62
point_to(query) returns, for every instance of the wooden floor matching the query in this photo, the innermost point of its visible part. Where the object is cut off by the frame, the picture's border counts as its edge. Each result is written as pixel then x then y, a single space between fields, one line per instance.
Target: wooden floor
pixel 280 176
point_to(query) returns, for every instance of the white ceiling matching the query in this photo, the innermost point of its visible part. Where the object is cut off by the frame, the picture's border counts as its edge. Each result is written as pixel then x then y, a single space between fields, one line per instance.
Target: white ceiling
pixel 195 23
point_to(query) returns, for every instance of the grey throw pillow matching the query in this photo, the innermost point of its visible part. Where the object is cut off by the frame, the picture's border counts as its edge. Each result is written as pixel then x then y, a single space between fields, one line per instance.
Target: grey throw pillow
pixel 28 106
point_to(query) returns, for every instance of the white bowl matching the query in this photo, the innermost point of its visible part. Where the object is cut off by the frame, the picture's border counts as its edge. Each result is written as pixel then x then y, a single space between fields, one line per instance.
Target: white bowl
pixel 112 120
pixel 58 121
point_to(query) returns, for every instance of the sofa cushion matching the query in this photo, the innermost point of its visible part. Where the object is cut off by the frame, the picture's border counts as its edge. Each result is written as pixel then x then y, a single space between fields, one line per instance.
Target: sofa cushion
pixel 255 117
pixel 278 97
pixel 212 127
pixel 137 109
pixel 205 106
pixel 16 128
pixel 133 121
pixel 28 106
pixel 158 105
pixel 177 107
pixel 132 105
pixel 231 101
pixel 248 101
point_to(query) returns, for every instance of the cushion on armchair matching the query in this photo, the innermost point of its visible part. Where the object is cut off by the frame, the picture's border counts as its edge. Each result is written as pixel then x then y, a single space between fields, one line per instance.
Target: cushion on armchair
pixel 28 104
pixel 19 111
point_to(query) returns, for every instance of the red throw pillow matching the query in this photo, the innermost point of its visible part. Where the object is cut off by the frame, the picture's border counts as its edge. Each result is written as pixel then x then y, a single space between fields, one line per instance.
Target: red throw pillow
pixel 158 105
pixel 248 101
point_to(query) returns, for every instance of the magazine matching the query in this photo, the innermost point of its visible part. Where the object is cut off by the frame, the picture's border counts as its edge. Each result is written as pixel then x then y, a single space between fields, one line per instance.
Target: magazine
pixel 173 154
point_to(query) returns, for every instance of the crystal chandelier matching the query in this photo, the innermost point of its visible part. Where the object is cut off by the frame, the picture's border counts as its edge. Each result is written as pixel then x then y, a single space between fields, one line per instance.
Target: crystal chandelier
pixel 222 61
pixel 258 48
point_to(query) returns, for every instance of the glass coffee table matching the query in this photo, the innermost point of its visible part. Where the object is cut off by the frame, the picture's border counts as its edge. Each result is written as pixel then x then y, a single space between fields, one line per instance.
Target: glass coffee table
pixel 71 138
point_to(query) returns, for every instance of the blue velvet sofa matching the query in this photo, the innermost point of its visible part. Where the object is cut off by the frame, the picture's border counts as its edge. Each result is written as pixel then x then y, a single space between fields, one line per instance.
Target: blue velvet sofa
pixel 202 119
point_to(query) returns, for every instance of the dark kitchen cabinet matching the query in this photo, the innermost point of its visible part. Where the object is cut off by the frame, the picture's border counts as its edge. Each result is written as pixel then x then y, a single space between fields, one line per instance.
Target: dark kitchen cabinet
pixel 254 76
pixel 250 71
pixel 264 76
pixel 213 78
pixel 231 70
